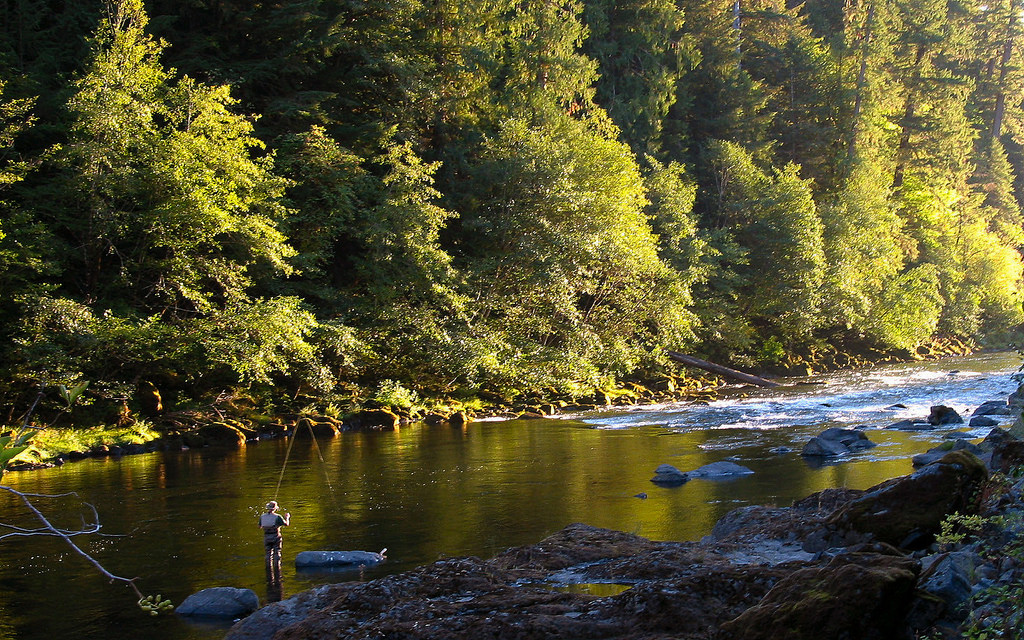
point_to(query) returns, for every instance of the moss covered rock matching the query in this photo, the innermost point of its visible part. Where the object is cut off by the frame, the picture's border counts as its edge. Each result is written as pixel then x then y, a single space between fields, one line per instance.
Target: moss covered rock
pixel 373 419
pixel 221 434
pixel 318 426
pixel 857 596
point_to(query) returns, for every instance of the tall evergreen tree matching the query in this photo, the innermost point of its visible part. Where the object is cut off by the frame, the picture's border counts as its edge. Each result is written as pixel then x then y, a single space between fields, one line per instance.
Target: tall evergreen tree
pixel 642 55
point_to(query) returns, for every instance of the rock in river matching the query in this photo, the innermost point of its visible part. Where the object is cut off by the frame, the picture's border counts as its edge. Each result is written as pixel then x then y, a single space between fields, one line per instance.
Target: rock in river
pixel 668 475
pixel 993 408
pixel 337 558
pixel 937 453
pixel 941 414
pixel 722 469
pixel 220 602
pixel 836 442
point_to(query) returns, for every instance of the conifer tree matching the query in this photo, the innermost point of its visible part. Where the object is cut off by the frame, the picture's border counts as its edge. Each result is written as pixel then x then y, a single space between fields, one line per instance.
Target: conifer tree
pixel 641 56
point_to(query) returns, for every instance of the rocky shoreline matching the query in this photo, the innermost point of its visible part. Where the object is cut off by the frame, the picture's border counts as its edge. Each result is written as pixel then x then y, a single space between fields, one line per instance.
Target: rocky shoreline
pixel 887 562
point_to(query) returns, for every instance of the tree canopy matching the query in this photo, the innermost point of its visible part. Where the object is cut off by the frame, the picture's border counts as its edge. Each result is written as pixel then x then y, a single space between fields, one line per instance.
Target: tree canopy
pixel 301 198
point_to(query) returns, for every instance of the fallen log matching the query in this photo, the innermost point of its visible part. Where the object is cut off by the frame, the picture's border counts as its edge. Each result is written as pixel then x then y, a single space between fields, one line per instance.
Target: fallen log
pixel 720 370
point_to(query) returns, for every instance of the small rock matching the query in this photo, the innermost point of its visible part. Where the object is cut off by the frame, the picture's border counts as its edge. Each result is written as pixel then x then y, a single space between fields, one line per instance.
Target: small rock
pixel 948 576
pixel 911 425
pixel 666 474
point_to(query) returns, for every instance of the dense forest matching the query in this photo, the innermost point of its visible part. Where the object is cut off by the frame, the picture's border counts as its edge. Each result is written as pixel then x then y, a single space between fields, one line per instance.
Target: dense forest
pixel 316 198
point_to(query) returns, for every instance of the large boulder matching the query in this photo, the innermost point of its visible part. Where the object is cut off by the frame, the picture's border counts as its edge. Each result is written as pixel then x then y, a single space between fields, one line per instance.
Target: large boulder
pixel 856 596
pixel 307 559
pixel 907 511
pixel 220 602
pixel 1007 455
pixel 836 441
pixel 1017 428
pixel 1016 399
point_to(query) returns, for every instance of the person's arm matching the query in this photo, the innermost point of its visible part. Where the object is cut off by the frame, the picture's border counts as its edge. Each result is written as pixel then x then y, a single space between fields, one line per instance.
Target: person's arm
pixel 287 518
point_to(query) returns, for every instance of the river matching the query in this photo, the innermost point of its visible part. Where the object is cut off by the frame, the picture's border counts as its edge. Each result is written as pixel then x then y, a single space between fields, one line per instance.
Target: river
pixel 184 521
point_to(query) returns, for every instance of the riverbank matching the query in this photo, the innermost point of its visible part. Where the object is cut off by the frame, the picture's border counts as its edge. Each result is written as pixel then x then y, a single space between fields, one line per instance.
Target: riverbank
pixel 890 561
pixel 234 419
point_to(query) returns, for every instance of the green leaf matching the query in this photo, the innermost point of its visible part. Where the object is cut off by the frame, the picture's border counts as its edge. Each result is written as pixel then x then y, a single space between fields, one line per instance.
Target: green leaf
pixel 6 455
pixel 76 391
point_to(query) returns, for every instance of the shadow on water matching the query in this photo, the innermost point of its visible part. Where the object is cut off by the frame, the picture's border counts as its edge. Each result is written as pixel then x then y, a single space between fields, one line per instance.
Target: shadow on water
pixel 186 521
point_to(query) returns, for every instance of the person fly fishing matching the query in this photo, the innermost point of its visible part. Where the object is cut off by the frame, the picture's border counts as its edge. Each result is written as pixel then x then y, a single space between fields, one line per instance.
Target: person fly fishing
pixel 271 522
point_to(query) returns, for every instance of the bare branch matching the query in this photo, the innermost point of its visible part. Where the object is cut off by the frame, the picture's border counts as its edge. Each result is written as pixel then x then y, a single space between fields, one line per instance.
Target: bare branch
pixel 49 529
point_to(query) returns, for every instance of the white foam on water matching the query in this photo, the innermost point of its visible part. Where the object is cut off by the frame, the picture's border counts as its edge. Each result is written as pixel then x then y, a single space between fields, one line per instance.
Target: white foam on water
pixel 852 398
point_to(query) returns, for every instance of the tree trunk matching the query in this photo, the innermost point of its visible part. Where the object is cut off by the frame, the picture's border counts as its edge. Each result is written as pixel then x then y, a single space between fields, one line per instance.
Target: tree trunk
pixel 1004 63
pixel 861 82
pixel 720 370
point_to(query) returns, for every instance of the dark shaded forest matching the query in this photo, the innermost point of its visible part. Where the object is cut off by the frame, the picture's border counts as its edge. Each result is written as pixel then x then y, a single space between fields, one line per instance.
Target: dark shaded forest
pixel 331 199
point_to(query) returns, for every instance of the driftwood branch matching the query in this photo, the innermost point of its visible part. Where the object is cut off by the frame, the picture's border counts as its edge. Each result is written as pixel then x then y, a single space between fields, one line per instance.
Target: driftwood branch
pixel 720 370
pixel 49 529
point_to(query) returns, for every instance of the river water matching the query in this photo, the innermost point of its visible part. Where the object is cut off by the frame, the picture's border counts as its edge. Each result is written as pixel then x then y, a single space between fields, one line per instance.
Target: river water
pixel 185 521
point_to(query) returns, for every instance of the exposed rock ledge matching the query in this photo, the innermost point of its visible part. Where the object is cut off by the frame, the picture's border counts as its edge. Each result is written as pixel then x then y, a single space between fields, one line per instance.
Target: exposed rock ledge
pixel 826 567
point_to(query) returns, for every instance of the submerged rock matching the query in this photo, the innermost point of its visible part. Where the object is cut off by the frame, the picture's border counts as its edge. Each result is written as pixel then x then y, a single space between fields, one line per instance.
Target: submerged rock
pixel 722 469
pixel 983 421
pixel 220 602
pixel 911 425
